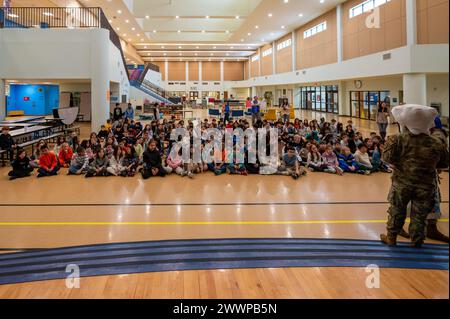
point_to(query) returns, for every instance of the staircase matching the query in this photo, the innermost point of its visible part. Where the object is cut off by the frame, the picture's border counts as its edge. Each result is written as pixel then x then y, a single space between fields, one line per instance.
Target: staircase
pixel 137 80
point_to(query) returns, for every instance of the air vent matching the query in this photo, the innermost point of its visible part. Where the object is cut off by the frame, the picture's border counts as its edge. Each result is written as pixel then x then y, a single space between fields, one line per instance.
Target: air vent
pixel 303 72
pixel 216 83
pixel 205 83
pixel 387 56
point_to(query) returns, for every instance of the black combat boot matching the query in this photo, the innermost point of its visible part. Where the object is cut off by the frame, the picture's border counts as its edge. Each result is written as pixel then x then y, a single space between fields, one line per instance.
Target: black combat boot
pixel 434 233
pixel 389 239
pixel 403 233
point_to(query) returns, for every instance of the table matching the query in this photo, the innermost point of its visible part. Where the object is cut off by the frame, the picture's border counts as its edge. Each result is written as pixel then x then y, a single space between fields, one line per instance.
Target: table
pixel 12 125
pixel 23 120
pixel 27 133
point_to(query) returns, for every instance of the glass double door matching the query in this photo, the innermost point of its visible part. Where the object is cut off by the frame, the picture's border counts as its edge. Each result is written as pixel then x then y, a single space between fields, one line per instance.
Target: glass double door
pixel 321 99
pixel 364 104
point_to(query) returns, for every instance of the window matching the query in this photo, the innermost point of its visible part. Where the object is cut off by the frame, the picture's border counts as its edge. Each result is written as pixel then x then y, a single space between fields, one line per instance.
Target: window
pixel 320 98
pixel 267 52
pixel 255 58
pixel 314 30
pixel 366 6
pixel 284 44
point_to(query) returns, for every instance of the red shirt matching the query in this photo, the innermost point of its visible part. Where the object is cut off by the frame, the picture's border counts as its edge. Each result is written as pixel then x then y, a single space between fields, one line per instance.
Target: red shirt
pixel 48 161
pixel 65 156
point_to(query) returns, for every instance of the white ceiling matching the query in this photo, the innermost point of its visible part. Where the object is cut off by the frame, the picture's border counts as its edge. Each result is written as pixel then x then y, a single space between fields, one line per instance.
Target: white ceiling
pixel 150 25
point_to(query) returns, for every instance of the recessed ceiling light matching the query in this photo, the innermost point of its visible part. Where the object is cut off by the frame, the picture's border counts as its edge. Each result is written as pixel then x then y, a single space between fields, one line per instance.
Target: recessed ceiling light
pixel 162 47
pixel 127 21
pixel 179 31
pixel 282 27
pixel 203 31
pixel 179 47
pixel 138 35
pixel 154 31
pixel 228 31
pixel 214 47
pixel 119 11
pixel 117 28
pixel 242 40
pixel 177 17
pixel 300 15
pixel 133 29
pixel 165 54
pixel 145 47
pixel 124 35
pixel 286 1
pixel 147 17
pixel 110 21
pixel 249 34
pixel 270 15
pixel 149 54
pixel 232 47
pixel 237 17
pixel 197 47
pixel 256 27
pixel 207 17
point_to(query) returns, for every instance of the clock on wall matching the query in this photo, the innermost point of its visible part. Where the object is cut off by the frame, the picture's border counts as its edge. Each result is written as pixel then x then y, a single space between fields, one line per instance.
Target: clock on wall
pixel 358 84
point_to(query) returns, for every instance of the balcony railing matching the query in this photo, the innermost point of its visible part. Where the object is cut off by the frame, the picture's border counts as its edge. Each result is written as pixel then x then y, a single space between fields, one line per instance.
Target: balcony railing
pixel 59 17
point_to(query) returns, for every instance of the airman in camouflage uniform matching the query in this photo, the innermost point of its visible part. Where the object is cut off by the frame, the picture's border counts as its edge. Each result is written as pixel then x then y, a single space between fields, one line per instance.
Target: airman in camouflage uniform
pixel 415 159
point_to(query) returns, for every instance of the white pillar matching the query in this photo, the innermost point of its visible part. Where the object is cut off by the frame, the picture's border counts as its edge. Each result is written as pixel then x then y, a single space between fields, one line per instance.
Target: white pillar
pixel 274 58
pixel 415 89
pixel 221 71
pixel 259 63
pixel 294 52
pixel 254 92
pixel 200 66
pixel 187 72
pixel 100 107
pixel 344 106
pixel 339 33
pixel 411 22
pixel 2 100
pixel 166 70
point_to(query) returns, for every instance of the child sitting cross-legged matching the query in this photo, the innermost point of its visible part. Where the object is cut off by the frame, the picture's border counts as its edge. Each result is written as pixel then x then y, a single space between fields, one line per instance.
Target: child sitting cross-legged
pixel 314 161
pixel 129 162
pixel 330 161
pixel 348 163
pixel 79 163
pixel 363 159
pixel 21 166
pixel 290 165
pixel 152 162
pixel 65 155
pixel 99 166
pixel 48 163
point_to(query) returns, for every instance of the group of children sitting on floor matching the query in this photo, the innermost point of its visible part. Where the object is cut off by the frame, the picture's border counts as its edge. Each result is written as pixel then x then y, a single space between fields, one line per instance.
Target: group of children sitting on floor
pixel 126 147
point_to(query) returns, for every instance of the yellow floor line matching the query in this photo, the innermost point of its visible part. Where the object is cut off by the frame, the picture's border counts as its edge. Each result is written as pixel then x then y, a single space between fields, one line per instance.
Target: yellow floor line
pixel 301 222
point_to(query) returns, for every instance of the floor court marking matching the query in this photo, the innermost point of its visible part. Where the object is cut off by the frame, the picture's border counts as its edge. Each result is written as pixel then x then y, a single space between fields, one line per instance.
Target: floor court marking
pixel 295 222
pixel 194 204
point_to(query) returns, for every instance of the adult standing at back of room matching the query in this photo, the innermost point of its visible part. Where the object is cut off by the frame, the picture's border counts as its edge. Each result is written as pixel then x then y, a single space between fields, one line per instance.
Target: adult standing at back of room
pixel 382 119
pixel 117 113
pixel 285 111
pixel 256 112
pixel 129 112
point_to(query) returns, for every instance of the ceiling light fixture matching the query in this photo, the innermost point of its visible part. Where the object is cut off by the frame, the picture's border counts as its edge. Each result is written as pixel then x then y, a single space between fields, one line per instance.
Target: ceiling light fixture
pixel 147 17
pixel 119 11
pixel 270 15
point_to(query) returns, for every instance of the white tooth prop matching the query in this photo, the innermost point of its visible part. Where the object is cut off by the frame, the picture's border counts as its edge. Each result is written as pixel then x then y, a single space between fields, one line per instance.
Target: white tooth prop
pixel 418 119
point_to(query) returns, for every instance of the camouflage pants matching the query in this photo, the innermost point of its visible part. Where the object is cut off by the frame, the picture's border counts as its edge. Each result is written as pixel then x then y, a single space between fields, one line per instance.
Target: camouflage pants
pixel 422 199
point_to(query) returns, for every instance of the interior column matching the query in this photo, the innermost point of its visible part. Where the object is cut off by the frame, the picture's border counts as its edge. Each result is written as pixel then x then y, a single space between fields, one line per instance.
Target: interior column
pixel 100 108
pixel 2 100
pixel 415 89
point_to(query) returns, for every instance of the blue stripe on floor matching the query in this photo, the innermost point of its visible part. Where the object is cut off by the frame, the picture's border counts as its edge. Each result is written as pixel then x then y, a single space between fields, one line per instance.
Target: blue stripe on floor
pixel 170 255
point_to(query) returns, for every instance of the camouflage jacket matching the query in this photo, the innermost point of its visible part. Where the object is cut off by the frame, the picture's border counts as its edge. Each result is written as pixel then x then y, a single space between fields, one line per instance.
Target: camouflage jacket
pixel 415 158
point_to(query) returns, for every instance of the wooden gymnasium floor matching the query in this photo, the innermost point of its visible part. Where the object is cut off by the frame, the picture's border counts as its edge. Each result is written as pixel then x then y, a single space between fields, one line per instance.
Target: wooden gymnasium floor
pixel 308 208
